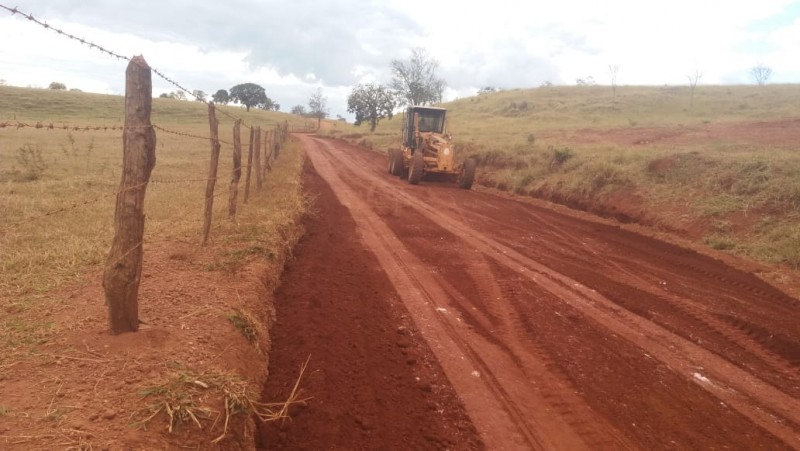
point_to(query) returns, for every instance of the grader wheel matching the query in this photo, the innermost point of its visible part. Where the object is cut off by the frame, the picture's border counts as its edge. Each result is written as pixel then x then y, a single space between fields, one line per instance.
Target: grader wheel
pixel 417 168
pixel 397 162
pixel 467 175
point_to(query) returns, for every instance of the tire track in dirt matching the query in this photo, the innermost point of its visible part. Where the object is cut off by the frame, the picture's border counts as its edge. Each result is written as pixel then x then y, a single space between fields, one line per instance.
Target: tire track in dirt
pixel 765 405
pixel 733 338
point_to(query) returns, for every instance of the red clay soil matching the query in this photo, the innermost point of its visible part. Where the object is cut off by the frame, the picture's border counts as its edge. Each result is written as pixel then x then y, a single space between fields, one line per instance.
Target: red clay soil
pixel 556 330
pixel 374 382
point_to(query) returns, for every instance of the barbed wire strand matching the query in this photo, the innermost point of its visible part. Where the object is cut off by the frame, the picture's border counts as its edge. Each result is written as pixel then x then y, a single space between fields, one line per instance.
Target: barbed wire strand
pixel 52 126
pixel 76 205
pixel 30 17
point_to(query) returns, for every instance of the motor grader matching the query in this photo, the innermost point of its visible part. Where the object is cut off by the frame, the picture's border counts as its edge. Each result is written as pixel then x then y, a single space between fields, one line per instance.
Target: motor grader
pixel 427 150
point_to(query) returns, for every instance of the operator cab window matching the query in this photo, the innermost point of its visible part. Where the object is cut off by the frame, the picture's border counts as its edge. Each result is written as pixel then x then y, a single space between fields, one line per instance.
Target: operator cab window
pixel 431 121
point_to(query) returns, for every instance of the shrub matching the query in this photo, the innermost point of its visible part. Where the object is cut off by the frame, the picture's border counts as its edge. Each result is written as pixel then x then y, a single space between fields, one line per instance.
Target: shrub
pixel 30 158
pixel 560 155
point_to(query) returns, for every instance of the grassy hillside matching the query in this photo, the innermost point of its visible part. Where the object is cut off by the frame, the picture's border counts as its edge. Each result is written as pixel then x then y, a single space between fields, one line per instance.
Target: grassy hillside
pixel 723 168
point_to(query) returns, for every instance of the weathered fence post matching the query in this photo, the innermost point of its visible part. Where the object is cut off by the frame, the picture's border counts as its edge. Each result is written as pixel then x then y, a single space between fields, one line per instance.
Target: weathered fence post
pixel 249 166
pixel 237 169
pixel 123 270
pixel 213 124
pixel 270 148
pixel 257 155
pixel 266 165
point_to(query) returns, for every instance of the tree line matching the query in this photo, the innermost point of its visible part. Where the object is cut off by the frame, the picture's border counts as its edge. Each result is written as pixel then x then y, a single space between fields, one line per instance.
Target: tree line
pixel 414 82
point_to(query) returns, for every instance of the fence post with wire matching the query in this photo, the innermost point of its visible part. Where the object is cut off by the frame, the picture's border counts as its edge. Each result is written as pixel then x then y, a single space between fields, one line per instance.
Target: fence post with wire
pixel 123 268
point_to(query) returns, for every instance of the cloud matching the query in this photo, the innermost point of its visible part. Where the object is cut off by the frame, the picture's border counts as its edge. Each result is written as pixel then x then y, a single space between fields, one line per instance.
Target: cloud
pixel 326 39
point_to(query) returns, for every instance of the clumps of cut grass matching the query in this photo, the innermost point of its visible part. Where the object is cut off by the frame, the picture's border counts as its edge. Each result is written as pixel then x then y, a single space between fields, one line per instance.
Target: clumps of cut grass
pixel 721 241
pixel 245 324
pixel 186 398
pixel 232 260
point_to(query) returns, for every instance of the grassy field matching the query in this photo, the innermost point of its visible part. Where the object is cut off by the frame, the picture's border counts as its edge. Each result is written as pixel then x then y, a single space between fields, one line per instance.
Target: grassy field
pixel 57 191
pixel 704 167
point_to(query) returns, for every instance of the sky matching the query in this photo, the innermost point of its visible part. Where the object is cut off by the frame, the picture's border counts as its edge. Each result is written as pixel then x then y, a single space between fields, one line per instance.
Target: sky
pixel 291 48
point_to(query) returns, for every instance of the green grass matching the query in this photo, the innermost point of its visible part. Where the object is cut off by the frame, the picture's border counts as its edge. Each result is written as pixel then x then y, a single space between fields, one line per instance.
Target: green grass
pixel 567 144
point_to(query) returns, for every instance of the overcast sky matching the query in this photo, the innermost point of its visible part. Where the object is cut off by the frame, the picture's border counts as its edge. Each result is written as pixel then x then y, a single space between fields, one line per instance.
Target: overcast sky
pixel 292 47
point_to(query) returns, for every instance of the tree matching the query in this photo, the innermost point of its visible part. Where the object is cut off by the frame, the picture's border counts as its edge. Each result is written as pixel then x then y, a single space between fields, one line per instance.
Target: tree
pixel 178 95
pixel 760 73
pixel 588 81
pixel 57 86
pixel 318 106
pixel 221 97
pixel 199 95
pixel 614 70
pixel 269 105
pixel 3 82
pixel 299 110
pixel 416 81
pixel 248 94
pixel 693 79
pixel 371 103
pixel 487 90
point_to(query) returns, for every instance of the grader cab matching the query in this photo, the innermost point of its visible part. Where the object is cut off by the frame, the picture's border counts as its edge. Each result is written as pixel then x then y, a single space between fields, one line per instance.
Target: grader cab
pixel 427 149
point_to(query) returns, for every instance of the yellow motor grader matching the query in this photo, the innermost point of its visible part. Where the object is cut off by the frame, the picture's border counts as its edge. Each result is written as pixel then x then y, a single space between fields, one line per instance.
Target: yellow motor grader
pixel 427 149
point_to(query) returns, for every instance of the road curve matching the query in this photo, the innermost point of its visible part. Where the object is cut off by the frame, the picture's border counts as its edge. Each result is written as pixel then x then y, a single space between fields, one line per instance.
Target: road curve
pixel 564 333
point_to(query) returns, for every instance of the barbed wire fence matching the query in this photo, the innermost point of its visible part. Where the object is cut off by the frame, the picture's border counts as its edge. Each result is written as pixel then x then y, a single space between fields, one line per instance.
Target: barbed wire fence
pixel 124 262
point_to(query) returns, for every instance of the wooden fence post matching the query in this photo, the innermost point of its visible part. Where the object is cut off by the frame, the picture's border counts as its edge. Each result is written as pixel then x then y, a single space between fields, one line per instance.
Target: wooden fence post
pixel 257 155
pixel 123 270
pixel 266 165
pixel 271 148
pixel 237 169
pixel 249 166
pixel 213 124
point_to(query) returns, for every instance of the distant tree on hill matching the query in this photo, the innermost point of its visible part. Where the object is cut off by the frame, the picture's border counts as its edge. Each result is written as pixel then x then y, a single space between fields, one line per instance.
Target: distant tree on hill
pixel 693 79
pixel 487 90
pixel 415 80
pixel 588 81
pixel 221 97
pixel 177 95
pixel 269 105
pixel 3 82
pixel 248 94
pixel 299 110
pixel 760 73
pixel 613 69
pixel 318 106
pixel 199 95
pixel 57 86
pixel 370 103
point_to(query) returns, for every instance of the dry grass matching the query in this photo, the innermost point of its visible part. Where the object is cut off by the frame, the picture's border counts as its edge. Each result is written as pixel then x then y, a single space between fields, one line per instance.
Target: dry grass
pixel 533 142
pixel 188 398
pixel 81 174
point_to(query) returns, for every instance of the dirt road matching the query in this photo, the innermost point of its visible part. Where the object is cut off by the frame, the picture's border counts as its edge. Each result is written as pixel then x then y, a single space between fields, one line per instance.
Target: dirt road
pixel 564 333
